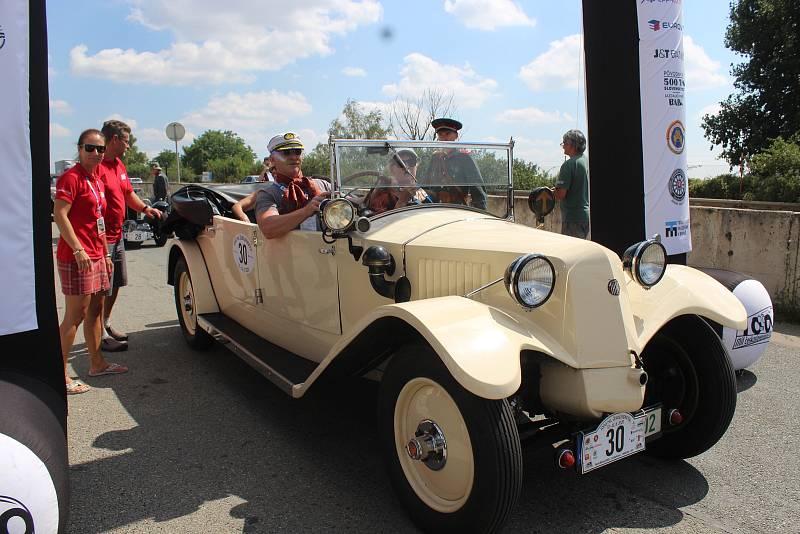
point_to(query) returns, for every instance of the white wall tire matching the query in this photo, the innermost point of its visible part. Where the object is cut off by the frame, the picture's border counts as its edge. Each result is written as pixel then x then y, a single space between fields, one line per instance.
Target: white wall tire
pixel 196 337
pixel 475 488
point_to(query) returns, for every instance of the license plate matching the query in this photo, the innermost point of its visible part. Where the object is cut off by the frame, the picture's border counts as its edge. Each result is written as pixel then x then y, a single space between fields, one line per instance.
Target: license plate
pixel 618 436
pixel 135 236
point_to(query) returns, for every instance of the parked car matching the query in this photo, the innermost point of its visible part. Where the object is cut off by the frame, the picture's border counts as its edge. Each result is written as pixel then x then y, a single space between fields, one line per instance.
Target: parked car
pixel 483 333
pixel 251 179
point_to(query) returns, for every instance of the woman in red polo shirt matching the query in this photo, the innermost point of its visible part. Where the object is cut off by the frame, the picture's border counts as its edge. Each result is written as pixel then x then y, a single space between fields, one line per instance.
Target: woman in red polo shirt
pixel 84 265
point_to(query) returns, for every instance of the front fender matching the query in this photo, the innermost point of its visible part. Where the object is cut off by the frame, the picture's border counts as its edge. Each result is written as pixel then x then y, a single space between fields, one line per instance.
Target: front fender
pixel 683 291
pixel 480 345
pixel 204 299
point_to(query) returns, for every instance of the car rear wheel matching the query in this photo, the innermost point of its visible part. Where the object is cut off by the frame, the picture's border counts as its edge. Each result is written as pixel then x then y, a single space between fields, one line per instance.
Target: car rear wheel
pixel 689 371
pixel 184 304
pixel 454 458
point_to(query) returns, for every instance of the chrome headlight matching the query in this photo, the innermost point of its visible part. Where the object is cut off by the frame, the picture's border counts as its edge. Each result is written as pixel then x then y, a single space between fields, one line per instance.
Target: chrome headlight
pixel 530 280
pixel 646 262
pixel 338 214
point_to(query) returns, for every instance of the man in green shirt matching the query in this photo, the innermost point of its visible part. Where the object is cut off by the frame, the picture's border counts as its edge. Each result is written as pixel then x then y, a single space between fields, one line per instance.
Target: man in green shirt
pixel 572 186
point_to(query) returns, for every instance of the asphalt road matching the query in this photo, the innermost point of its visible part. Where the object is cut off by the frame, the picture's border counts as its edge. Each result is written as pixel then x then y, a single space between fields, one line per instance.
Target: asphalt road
pixel 198 442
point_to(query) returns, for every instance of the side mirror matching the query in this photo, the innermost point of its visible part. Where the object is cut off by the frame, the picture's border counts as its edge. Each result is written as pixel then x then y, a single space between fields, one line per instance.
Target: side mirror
pixel 541 202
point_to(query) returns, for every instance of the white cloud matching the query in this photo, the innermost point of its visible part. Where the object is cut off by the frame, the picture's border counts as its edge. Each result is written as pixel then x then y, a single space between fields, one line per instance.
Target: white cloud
pixel 56 130
pixel 255 116
pixel 488 14
pixel 711 109
pixel 702 72
pixel 533 115
pixel 354 71
pixel 238 38
pixel 61 107
pixel 558 68
pixel 420 73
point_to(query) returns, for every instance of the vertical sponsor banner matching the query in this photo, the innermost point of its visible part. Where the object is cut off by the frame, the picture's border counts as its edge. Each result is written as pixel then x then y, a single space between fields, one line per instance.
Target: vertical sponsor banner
pixel 661 86
pixel 17 283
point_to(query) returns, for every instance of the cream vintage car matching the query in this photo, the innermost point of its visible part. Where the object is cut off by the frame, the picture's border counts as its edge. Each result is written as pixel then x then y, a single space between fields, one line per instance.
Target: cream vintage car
pixel 483 332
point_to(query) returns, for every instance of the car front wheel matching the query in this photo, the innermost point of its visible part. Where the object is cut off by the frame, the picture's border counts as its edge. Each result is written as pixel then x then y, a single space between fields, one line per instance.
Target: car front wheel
pixel 184 304
pixel 690 372
pixel 454 458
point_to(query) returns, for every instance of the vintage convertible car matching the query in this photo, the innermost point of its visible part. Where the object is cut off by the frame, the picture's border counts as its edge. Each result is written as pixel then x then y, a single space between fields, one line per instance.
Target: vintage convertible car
pixel 482 332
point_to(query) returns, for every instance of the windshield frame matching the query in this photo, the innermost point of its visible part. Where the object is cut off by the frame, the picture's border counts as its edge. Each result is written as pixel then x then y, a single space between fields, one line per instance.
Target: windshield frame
pixel 397 144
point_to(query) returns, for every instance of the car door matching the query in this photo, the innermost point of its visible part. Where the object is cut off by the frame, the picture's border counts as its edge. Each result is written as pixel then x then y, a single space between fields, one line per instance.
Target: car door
pixel 299 282
pixel 236 283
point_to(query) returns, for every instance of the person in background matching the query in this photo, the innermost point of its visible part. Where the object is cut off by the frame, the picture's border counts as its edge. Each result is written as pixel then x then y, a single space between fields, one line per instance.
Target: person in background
pixel 572 186
pixel 119 193
pixel 402 172
pixel 456 178
pixel 266 171
pixel 160 184
pixel 84 264
pixel 292 200
pixel 241 207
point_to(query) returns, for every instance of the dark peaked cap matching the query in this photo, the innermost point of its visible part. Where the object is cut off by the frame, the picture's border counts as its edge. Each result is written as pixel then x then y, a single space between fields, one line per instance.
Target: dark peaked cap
pixel 446 124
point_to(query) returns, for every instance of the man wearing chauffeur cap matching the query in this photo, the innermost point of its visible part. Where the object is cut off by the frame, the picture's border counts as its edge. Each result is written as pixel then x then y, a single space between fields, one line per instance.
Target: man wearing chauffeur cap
pixel 454 170
pixel 292 200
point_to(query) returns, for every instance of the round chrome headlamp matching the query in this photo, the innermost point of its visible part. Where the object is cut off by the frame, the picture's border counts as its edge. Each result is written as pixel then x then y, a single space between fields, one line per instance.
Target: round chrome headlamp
pixel 338 214
pixel 530 280
pixel 646 262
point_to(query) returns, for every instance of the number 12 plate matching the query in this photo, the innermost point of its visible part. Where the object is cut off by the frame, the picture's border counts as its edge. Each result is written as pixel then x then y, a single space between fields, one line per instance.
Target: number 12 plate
pixel 618 436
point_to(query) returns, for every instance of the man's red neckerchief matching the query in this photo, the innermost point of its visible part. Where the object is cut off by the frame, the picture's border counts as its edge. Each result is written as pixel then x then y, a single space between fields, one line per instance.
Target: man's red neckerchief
pixel 296 193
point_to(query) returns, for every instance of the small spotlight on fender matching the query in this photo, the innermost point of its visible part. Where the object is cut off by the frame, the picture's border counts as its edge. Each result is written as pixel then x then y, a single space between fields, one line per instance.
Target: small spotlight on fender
pixel 675 417
pixel 565 458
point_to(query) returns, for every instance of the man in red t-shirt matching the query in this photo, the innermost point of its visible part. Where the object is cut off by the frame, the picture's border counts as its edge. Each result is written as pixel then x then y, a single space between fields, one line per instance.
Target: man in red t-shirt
pixel 119 193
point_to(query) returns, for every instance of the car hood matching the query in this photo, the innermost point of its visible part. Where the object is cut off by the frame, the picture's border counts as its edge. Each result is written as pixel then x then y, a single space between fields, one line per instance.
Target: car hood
pixel 459 256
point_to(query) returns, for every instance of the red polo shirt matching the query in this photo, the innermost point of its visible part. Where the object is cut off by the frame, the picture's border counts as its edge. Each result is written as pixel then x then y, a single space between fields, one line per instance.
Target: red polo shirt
pixel 86 195
pixel 115 177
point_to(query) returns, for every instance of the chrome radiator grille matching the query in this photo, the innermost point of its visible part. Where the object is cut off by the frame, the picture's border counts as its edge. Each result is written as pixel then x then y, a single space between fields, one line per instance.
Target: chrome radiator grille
pixel 439 278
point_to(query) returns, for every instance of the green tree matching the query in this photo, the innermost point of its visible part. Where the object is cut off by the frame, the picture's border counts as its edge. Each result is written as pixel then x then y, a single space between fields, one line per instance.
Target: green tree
pixel 136 161
pixel 528 176
pixel 354 123
pixel 767 33
pixel 169 164
pixel 218 146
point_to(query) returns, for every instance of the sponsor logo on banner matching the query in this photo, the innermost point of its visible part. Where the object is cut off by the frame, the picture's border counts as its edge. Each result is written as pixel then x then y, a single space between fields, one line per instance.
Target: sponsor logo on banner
pixel 674 86
pixel 677 186
pixel 15 514
pixel 759 329
pixel 676 228
pixel 2 38
pixel 660 2
pixel 676 137
pixel 658 25
pixel 667 53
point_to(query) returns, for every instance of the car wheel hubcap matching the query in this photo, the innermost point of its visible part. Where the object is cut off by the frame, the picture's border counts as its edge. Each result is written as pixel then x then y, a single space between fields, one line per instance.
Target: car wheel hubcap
pixel 433 445
pixel 428 445
pixel 187 299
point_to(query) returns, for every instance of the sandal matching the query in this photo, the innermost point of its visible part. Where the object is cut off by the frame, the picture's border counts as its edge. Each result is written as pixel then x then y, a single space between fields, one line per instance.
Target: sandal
pixel 112 369
pixel 77 387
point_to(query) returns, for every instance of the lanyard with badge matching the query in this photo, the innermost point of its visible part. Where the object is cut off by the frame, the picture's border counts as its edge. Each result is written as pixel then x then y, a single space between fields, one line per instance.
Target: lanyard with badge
pixel 101 223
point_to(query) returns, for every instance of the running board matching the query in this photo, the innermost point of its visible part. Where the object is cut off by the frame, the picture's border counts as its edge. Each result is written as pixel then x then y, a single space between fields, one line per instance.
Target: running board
pixel 281 367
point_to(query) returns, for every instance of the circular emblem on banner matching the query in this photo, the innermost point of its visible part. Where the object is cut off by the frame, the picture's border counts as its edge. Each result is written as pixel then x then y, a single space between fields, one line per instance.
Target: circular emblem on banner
pixel 677 186
pixel 676 137
pixel 28 501
pixel 243 254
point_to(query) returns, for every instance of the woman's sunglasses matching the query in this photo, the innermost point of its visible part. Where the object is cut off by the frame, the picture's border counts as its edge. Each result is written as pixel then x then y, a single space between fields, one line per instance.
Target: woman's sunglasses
pixel 91 148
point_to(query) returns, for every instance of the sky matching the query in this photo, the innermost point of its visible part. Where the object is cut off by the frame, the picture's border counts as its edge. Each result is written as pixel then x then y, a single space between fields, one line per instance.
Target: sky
pixel 262 67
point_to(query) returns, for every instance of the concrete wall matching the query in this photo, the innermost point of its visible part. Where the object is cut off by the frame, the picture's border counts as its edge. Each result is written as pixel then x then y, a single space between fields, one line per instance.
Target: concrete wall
pixel 762 243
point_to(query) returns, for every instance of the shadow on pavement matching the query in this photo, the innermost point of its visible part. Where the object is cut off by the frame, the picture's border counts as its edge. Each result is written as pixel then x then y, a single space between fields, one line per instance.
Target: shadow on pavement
pixel 745 379
pixel 209 427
